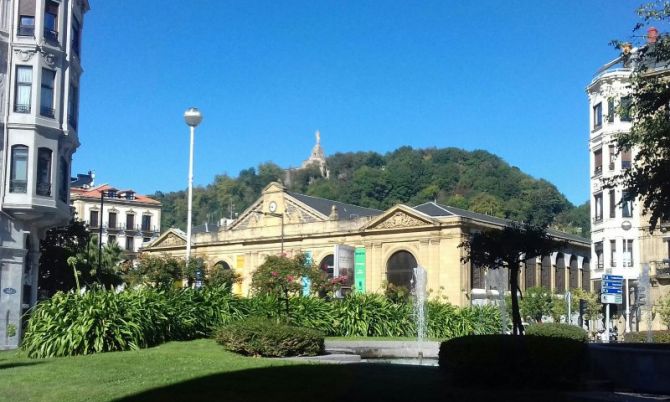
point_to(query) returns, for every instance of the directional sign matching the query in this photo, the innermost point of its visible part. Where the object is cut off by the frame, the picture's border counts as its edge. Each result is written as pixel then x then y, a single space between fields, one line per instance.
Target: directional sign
pixel 611 299
pixel 610 277
pixel 611 284
pixel 612 291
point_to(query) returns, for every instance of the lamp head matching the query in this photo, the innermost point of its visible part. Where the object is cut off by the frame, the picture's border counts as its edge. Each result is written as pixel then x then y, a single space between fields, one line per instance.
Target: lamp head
pixel 193 117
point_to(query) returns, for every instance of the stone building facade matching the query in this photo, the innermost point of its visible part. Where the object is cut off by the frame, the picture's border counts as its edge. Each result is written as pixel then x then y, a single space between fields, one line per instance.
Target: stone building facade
pixel 40 70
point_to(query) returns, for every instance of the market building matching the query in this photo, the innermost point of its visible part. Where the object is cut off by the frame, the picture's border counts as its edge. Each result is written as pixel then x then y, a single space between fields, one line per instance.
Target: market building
pixel 372 247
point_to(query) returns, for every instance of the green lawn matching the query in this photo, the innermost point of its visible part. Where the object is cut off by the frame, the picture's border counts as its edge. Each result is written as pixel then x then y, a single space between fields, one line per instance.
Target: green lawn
pixel 202 371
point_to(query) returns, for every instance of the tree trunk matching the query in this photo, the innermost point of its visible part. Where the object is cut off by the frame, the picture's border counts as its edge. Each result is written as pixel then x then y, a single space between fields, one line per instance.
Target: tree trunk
pixel 517 327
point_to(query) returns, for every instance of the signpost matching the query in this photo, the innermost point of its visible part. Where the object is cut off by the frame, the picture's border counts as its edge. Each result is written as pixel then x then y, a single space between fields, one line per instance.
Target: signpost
pixel 611 292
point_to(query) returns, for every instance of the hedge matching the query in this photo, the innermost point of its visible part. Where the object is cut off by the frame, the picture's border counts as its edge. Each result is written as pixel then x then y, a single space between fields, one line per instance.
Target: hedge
pixel 640 337
pixel 515 361
pixel 262 337
pixel 558 330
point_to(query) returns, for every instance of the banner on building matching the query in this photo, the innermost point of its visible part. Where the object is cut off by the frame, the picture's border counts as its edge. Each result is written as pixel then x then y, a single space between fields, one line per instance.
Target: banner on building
pixel 359 269
pixel 306 282
pixel 344 267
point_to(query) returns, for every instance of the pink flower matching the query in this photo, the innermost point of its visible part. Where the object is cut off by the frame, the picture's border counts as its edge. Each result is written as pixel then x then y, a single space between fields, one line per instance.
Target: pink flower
pixel 290 278
pixel 274 273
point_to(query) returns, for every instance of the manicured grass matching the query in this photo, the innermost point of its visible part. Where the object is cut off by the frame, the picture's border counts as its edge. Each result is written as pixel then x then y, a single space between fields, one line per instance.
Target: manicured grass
pixel 202 371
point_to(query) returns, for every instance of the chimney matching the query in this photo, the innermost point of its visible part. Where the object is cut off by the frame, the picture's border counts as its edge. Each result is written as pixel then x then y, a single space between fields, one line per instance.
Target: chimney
pixel 652 35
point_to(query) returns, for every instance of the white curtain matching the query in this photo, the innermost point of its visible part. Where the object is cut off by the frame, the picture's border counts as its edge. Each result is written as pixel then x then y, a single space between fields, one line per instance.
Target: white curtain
pixel 24 79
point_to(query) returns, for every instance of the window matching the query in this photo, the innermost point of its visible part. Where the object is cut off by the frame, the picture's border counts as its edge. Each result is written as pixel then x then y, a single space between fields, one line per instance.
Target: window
pixel 18 182
pixel 130 221
pixel 111 239
pixel 24 84
pixel 64 180
pixel 111 222
pixel 130 243
pixel 94 219
pixel 75 42
pixel 43 186
pixel 51 21
pixel 598 248
pixel 597 161
pixel 597 116
pixel 625 159
pixel 626 205
pixel 610 110
pixel 26 25
pixel 613 255
pixel 612 154
pixel 73 106
pixel 626 104
pixel 47 95
pixel 146 223
pixel 612 204
pixel 628 253
pixel 146 239
pixel 598 198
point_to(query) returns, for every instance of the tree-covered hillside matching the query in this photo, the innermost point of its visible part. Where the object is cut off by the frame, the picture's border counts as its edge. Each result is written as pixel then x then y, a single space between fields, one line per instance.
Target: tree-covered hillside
pixel 477 180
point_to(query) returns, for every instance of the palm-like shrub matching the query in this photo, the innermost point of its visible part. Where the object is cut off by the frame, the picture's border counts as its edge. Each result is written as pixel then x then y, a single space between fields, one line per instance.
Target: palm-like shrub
pixel 372 315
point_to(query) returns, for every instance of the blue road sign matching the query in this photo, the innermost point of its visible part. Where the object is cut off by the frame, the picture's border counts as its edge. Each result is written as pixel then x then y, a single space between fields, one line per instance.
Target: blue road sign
pixel 610 277
pixel 612 284
pixel 612 291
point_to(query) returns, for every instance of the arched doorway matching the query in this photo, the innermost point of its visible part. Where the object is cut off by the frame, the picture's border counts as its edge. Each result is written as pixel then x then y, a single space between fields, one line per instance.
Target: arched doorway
pixel 586 274
pixel 327 265
pixel 222 265
pixel 399 269
pixel 574 273
pixel 546 272
pixel 529 273
pixel 559 273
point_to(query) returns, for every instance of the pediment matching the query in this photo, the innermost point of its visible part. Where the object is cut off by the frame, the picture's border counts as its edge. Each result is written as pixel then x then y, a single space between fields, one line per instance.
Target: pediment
pixel 401 216
pixel 169 239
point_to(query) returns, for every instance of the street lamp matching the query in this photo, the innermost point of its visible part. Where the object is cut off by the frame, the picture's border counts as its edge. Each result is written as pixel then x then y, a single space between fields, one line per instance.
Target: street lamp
pixel 276 215
pixel 193 117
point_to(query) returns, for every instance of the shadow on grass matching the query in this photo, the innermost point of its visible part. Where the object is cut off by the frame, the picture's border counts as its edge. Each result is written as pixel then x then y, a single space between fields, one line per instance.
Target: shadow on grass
pixel 323 383
pixel 4 366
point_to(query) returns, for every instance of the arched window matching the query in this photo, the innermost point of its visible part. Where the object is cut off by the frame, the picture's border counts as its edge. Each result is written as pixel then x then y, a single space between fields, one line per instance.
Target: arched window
pixel 545 280
pixel 586 275
pixel 574 273
pixel 399 269
pixel 43 185
pixel 18 181
pixel 559 273
pixel 222 265
pixel 327 265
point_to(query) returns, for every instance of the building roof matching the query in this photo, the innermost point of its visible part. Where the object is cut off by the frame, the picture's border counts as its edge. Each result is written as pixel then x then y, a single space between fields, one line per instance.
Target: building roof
pixel 325 206
pixel 437 210
pixel 94 193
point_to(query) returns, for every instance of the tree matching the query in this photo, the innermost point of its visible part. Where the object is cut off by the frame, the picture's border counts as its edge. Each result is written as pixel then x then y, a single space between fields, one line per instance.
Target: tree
pixel 649 176
pixel 505 249
pixel 59 244
pixel 157 271
pixel 663 309
pixel 220 276
pixel 282 277
pixel 536 303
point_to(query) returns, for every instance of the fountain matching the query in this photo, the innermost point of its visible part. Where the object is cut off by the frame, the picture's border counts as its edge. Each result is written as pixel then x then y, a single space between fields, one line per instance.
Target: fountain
pixel 420 278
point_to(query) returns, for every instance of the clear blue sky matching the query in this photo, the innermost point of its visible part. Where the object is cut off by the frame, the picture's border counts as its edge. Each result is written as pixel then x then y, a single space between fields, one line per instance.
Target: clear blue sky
pixel 505 76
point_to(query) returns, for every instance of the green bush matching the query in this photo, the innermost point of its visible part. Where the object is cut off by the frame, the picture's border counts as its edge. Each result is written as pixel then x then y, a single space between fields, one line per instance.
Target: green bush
pixel 372 315
pixel 262 337
pixel 641 337
pixel 504 360
pixel 558 330
pixel 100 320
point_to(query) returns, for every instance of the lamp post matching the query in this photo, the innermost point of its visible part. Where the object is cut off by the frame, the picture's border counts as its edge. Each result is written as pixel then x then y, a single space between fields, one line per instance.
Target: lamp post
pixel 193 117
pixel 276 215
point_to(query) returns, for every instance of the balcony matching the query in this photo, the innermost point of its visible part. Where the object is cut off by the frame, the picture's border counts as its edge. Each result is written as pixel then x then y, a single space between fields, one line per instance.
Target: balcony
pixel 597 219
pixel 47 112
pixel 113 227
pixel 22 108
pixel 598 171
pixel 43 189
pixel 149 229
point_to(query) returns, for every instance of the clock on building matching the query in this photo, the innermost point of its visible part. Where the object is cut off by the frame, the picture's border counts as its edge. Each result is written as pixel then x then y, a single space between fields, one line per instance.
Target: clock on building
pixel 273 206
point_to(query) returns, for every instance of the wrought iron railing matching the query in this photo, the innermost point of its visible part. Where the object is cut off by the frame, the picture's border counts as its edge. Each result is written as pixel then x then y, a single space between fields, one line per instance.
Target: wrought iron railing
pixel 43 189
pixel 26 30
pixel 47 112
pixel 18 186
pixel 18 108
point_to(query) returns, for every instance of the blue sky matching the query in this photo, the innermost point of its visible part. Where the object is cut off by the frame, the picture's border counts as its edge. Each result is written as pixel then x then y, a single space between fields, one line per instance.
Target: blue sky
pixel 505 76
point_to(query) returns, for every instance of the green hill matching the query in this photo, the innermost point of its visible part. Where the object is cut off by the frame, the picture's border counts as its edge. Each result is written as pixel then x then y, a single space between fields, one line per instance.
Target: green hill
pixel 477 180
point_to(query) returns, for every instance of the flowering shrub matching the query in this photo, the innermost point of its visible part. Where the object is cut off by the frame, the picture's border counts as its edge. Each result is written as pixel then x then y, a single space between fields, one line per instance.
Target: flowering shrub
pixel 282 277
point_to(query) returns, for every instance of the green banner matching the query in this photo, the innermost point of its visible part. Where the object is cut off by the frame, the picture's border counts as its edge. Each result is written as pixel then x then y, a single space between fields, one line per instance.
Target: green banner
pixel 359 269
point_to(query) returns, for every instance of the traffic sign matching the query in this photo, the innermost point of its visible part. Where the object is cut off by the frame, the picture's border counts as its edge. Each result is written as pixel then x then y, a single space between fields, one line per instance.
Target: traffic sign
pixel 612 291
pixel 612 284
pixel 611 299
pixel 610 277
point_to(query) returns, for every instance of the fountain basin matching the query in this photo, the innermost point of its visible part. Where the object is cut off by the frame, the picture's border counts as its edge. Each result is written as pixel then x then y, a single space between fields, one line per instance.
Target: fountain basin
pixel 368 349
